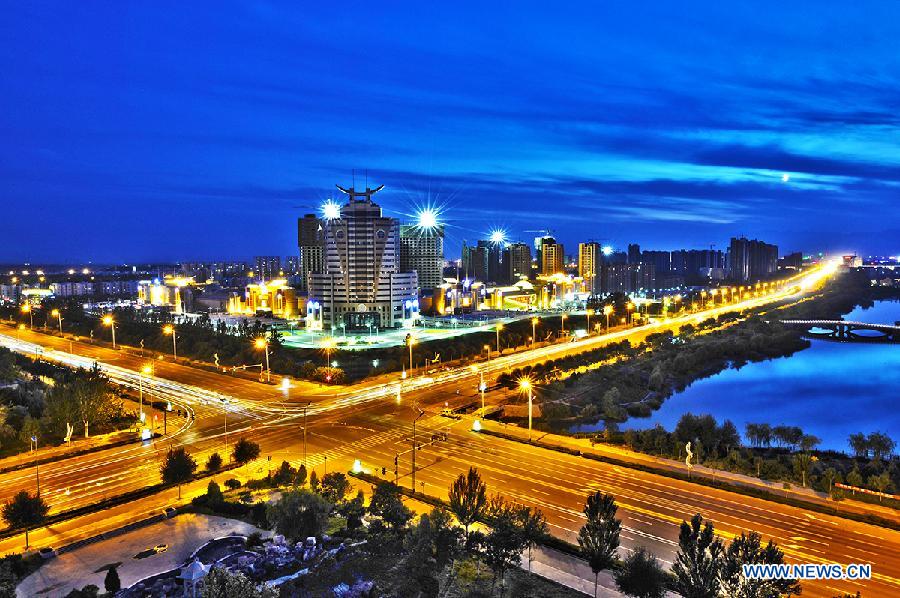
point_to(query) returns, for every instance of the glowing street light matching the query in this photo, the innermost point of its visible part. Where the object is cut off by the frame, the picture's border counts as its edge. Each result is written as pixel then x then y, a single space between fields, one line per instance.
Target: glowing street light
pixel 26 309
pixel 526 386
pixel 499 328
pixel 410 341
pixel 262 343
pixel 56 314
pixel 331 210
pixel 534 322
pixel 109 321
pixel 170 329
pixel 147 370
pixel 589 313
pixel 629 308
pixel 328 344
pixel 562 322
pixel 607 309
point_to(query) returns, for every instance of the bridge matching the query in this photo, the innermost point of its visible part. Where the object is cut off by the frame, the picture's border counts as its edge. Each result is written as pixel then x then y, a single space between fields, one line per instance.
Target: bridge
pixel 847 330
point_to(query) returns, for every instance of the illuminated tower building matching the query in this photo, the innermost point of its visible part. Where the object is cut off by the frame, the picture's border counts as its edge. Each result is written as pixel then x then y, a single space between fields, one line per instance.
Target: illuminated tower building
pixel 589 264
pixel 311 242
pixel 517 262
pixel 268 267
pixel 361 286
pixel 422 252
pixel 552 256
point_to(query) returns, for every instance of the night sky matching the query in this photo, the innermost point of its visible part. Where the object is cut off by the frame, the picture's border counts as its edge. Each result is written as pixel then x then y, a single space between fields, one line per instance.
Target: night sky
pixel 185 132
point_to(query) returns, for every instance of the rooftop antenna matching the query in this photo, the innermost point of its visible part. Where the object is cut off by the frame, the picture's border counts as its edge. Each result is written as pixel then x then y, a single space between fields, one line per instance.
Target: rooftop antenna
pixel 353 176
pixel 367 179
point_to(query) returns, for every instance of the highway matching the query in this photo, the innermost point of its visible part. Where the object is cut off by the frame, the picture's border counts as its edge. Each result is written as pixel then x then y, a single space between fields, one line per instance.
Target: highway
pixel 372 422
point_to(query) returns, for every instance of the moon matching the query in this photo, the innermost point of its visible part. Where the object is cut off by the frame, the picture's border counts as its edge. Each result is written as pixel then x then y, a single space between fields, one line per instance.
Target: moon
pixel 785 177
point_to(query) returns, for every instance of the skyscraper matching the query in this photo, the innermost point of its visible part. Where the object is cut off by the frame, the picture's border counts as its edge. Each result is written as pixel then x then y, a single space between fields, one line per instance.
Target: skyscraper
pixel 311 242
pixel 267 267
pixel 634 253
pixel 552 256
pixel 751 260
pixel 422 252
pixel 361 286
pixel 589 260
pixel 517 262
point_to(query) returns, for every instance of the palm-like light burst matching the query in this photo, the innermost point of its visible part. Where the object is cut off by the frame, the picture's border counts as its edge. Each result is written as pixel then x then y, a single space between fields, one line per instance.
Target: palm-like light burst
pixel 498 236
pixel 331 210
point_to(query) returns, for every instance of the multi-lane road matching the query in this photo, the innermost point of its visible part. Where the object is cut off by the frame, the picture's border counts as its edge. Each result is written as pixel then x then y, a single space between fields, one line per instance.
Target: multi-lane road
pixel 372 422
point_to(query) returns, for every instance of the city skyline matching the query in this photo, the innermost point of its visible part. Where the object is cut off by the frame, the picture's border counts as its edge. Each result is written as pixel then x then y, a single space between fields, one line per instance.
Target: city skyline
pixel 769 130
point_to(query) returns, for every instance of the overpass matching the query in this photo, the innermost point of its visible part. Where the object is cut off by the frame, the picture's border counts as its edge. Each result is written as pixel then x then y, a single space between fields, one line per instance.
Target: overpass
pixel 846 330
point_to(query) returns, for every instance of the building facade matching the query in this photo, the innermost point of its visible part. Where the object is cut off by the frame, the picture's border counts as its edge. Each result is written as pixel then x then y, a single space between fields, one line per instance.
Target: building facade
pixel 751 260
pixel 589 265
pixel 517 262
pixel 361 286
pixel 267 267
pixel 311 243
pixel 552 257
pixel 422 252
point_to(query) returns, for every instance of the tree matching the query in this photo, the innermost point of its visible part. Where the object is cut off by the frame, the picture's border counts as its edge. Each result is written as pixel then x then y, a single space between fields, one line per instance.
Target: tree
pixel 506 540
pixel 178 468
pixel 854 478
pixel 802 462
pixel 860 444
pixel 599 536
pixel 881 445
pixel 641 575
pixel 221 583
pixel 335 487
pixel 829 476
pixel 747 549
pixel 468 498
pixel 299 514
pixel 24 511
pixel 387 505
pixel 300 480
pixel 698 561
pixel 111 582
pixel 214 463
pixel 244 451
pixel 285 474
pixel 880 482
pixel 214 494
pixel 353 511
pixel 534 527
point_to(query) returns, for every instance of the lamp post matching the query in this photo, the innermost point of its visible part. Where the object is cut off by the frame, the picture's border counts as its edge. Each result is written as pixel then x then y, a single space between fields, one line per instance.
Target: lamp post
pixel 262 343
pixel 305 407
pixel 499 328
pixel 487 349
pixel 607 309
pixel 170 329
pixel 109 321
pixel 629 307
pixel 145 371
pixel 534 322
pixel 562 322
pixel 410 341
pixel 526 386
pixel 58 315
pixel 589 313
pixel 421 413
pixel 37 465
pixel 26 309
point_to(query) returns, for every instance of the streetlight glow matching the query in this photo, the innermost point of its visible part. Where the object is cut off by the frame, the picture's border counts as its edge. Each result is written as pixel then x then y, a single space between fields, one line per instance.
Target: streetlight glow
pixel 331 210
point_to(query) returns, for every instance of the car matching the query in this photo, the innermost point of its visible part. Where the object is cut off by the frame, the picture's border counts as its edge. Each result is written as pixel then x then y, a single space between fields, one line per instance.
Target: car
pixel 47 552
pixel 447 412
pixel 160 548
pixel 170 512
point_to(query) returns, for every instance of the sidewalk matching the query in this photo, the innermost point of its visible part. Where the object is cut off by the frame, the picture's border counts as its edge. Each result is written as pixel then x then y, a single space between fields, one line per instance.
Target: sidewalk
pixel 623 454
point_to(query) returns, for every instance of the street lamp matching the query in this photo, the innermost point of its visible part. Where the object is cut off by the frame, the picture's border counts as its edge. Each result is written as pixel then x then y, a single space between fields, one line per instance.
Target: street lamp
pixel 629 307
pixel 481 386
pixel 487 349
pixel 170 329
pixel 589 313
pixel 499 328
pixel 534 322
pixel 108 321
pixel 26 309
pixel 562 321
pixel 410 341
pixel 145 371
pixel 19 329
pixel 526 386
pixel 607 309
pixel 421 413
pixel 262 343
pixel 56 314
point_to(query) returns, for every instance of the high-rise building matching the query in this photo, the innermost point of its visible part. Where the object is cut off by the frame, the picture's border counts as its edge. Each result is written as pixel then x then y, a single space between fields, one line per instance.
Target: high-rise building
pixel 697 265
pixel 361 286
pixel 751 260
pixel 616 278
pixel 292 265
pixel 661 260
pixel 422 252
pixel 268 267
pixel 589 265
pixel 475 261
pixel 552 256
pixel 311 243
pixel 634 253
pixel 517 262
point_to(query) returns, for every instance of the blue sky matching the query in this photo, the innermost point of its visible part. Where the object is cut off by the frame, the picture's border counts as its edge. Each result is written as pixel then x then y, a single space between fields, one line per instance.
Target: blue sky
pixel 201 130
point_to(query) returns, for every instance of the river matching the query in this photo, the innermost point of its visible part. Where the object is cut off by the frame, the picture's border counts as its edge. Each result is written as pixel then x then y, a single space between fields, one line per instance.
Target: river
pixel 831 389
